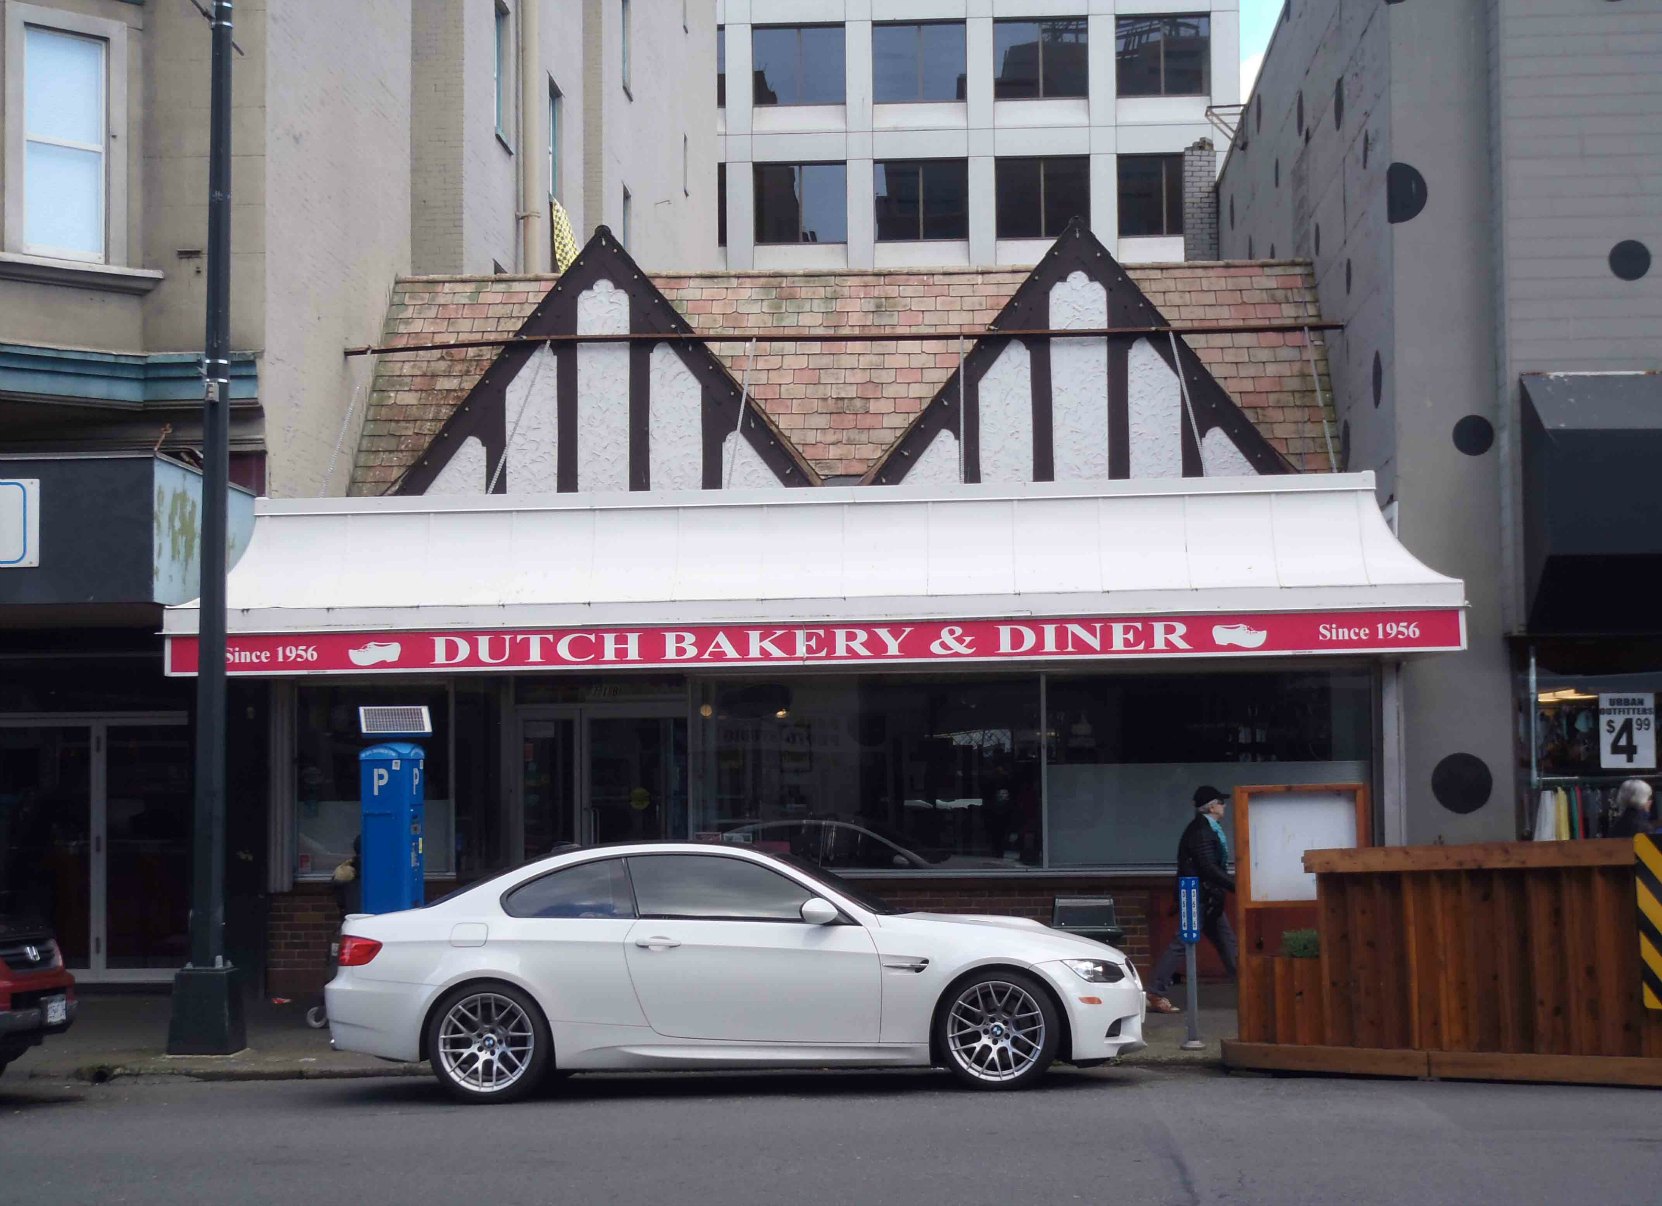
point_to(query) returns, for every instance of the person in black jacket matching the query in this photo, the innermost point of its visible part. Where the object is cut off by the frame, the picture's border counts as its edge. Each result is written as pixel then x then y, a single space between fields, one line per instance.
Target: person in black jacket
pixel 1203 852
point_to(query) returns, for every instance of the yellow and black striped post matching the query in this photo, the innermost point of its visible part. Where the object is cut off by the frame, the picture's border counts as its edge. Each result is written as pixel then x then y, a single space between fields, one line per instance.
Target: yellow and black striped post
pixel 1647 880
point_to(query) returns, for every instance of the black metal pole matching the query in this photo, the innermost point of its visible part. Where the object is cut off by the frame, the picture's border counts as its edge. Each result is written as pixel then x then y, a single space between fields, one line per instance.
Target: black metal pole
pixel 207 1006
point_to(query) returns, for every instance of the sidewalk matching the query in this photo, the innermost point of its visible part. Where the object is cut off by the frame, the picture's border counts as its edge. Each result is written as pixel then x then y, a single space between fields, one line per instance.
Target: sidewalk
pixel 125 1034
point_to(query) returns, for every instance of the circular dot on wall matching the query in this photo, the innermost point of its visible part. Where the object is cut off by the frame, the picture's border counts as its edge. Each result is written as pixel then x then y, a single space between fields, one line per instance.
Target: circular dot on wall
pixel 1405 192
pixel 1462 783
pixel 1378 379
pixel 1630 259
pixel 1474 435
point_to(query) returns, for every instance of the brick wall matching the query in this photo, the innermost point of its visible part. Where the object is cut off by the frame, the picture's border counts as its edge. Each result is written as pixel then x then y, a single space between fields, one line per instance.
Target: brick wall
pixel 1200 202
pixel 299 928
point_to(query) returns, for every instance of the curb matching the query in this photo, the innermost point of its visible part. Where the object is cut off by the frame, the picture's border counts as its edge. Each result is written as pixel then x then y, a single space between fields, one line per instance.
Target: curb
pixel 98 1074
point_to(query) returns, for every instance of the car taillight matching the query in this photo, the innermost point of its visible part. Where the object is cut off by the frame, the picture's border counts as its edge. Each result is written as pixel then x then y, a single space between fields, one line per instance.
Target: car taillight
pixel 355 952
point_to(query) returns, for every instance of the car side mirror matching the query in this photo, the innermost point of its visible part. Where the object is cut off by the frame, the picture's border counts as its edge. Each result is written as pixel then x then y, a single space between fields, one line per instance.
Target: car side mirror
pixel 900 860
pixel 818 911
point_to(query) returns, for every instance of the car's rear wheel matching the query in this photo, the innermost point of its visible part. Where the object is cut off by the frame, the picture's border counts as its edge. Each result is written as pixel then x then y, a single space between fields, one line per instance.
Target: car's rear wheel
pixel 488 1042
pixel 997 1030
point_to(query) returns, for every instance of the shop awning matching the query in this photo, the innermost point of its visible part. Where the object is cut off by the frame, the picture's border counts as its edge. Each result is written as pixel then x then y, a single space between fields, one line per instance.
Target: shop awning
pixel 838 575
pixel 1592 544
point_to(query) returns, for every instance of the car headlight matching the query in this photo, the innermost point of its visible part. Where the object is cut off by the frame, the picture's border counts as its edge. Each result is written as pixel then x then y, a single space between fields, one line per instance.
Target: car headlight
pixel 1097 971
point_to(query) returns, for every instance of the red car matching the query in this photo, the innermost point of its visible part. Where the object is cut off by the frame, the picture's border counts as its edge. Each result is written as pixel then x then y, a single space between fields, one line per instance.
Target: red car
pixel 37 996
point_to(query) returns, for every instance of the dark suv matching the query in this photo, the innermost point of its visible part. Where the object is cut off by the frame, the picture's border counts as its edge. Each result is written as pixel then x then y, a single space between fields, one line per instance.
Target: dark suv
pixel 37 996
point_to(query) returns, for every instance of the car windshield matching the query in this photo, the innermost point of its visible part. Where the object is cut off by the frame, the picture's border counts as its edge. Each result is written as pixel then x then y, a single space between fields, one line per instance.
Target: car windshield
pixel 839 885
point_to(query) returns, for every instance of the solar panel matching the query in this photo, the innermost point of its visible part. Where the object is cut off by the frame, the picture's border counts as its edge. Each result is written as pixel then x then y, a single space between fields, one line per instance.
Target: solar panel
pixel 401 720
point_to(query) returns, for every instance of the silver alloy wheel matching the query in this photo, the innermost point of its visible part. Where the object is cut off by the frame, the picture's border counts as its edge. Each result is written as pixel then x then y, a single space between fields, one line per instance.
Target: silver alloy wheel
pixel 486 1042
pixel 996 1030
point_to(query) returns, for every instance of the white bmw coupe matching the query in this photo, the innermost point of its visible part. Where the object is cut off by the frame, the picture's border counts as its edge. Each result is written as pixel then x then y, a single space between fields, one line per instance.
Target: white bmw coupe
pixel 713 956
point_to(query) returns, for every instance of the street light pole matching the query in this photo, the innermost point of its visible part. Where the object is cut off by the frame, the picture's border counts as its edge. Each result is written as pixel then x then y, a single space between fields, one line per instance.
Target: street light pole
pixel 207 1004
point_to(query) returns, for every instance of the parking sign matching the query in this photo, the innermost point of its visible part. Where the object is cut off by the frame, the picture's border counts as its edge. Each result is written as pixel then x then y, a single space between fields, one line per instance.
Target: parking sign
pixel 1188 908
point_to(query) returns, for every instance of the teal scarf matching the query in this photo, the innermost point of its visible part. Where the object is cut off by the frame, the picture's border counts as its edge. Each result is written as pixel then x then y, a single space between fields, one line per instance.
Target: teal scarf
pixel 1223 840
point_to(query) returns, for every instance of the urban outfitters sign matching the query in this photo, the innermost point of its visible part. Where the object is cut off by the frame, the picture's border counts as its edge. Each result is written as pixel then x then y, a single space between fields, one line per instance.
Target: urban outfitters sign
pixel 918 642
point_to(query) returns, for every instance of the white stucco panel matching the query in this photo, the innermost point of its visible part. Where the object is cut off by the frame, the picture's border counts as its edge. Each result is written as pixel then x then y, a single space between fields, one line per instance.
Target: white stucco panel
pixel 1007 417
pixel 1221 458
pixel 1078 304
pixel 676 424
pixel 465 471
pixel 939 465
pixel 749 471
pixel 531 411
pixel 1154 401
pixel 602 390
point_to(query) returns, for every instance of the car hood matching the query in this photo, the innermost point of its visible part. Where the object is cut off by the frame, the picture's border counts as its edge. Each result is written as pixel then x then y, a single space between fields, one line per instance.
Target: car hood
pixel 1038 939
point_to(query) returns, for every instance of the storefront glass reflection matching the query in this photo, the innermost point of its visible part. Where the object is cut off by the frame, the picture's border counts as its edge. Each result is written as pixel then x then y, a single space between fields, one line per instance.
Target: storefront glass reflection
pixel 1126 752
pixel 874 773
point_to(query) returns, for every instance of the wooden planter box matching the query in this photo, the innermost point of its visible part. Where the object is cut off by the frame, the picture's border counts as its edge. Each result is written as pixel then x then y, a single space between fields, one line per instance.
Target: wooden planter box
pixel 1505 961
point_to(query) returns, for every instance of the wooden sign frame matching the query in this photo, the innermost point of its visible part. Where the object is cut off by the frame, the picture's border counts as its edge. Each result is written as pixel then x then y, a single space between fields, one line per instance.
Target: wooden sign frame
pixel 1243 832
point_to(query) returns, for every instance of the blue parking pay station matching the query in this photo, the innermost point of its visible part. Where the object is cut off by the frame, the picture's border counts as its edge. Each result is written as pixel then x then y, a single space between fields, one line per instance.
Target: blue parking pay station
pixel 393 791
pixel 1188 929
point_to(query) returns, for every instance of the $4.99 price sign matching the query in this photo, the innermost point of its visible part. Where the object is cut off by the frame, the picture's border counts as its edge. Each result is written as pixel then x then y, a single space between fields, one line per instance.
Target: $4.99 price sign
pixel 1627 731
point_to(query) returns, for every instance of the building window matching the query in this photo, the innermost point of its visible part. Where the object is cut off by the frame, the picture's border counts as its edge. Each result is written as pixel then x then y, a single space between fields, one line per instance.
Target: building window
pixel 628 218
pixel 801 203
pixel 918 62
pixel 553 140
pixel 1151 195
pixel 721 66
pixel 1033 59
pixel 501 66
pixel 623 44
pixel 897 773
pixel 1037 198
pixel 721 205
pixel 797 64
pixel 922 199
pixel 65 141
pixel 1164 56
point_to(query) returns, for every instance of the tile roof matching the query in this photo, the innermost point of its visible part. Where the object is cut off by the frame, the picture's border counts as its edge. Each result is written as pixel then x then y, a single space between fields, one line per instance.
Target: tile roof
pixel 844 404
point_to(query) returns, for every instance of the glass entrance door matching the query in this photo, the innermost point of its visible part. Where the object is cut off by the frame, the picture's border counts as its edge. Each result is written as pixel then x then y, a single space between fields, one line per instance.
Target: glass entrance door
pixel 607 773
pixel 95 839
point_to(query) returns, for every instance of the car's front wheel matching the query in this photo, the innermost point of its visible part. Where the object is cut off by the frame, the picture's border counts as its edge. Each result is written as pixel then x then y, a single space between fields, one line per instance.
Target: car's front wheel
pixel 488 1042
pixel 997 1030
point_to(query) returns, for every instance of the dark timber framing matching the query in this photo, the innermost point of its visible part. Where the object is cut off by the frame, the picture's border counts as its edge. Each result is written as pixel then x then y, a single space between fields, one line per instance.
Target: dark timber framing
pixel 553 324
pixel 1028 310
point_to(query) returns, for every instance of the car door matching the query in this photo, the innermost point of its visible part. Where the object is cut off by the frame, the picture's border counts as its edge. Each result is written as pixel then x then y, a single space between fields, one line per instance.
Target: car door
pixel 721 952
pixel 563 934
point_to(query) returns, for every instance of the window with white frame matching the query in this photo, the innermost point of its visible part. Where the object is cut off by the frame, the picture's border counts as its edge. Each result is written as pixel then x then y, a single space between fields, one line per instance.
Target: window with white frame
pixel 553 139
pixel 503 58
pixel 67 199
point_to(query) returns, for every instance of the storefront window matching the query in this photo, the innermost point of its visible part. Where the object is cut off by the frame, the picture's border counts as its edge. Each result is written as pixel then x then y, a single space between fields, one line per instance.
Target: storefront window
pixel 1592 722
pixel 873 773
pixel 327 745
pixel 1125 753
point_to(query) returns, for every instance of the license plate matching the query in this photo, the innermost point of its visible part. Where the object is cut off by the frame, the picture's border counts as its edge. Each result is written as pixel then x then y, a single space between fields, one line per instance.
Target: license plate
pixel 57 1011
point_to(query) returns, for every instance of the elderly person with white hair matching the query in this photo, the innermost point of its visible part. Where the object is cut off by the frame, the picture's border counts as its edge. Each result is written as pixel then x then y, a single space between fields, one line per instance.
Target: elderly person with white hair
pixel 1633 800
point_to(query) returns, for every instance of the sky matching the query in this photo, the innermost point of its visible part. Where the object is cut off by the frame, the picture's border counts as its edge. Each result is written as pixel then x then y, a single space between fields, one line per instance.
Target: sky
pixel 1257 23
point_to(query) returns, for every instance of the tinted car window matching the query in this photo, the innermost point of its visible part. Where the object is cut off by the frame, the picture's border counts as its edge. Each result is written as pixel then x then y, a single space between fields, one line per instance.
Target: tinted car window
pixel 597 889
pixel 714 886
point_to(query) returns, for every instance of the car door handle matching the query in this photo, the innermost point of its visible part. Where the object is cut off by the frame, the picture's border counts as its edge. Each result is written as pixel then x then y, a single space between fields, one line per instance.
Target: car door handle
pixel 658 944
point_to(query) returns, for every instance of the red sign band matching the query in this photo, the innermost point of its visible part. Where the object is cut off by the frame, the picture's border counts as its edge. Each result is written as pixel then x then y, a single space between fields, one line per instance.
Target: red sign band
pixel 890 642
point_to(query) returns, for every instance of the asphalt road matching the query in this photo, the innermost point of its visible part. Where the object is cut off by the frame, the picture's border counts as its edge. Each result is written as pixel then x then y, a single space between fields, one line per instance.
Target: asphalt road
pixel 1111 1135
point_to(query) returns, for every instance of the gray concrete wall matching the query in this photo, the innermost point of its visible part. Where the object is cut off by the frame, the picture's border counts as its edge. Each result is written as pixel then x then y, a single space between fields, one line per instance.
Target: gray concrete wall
pixel 634 136
pixel 435 137
pixel 1406 84
pixel 337 223
pixel 1577 162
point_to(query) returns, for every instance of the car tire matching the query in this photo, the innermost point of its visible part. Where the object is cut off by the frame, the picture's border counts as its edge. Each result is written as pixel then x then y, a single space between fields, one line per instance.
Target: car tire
pixel 997 1030
pixel 489 1042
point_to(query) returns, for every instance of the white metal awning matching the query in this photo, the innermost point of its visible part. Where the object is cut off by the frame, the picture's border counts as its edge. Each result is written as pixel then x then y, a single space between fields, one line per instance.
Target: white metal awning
pixel 1303 545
